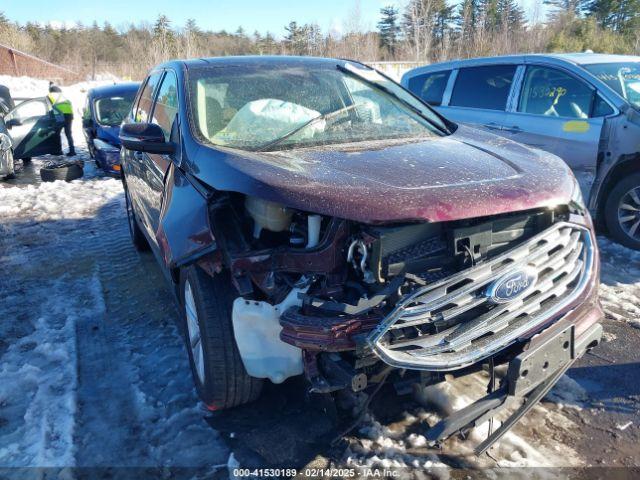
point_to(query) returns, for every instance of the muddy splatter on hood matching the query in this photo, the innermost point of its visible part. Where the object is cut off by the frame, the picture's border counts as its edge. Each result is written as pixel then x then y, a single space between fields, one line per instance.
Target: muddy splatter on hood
pixel 465 175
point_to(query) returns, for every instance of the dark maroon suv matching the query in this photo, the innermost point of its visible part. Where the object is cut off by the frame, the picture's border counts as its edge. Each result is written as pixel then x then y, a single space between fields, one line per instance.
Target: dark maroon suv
pixel 317 219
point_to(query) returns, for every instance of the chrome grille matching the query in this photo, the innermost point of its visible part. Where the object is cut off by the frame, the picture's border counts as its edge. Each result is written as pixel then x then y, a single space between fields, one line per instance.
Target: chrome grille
pixel 452 323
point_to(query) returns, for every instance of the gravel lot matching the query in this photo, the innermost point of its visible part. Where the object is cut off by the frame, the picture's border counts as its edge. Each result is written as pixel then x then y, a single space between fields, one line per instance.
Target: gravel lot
pixel 93 371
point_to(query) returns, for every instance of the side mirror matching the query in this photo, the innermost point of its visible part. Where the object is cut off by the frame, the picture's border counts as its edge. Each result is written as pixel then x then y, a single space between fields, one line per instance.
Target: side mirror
pixel 145 137
pixel 13 122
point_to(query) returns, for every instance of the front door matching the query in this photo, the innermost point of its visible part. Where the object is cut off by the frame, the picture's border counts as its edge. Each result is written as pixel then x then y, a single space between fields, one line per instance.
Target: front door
pixel 164 114
pixel 34 129
pixel 559 113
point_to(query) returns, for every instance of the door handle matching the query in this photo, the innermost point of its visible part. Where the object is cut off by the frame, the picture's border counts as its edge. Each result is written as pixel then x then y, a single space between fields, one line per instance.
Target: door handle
pixel 493 126
pixel 514 129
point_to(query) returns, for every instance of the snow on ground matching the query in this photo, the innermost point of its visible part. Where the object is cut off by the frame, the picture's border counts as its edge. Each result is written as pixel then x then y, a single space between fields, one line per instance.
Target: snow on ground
pixel 82 381
pixel 392 445
pixel 620 285
pixel 93 370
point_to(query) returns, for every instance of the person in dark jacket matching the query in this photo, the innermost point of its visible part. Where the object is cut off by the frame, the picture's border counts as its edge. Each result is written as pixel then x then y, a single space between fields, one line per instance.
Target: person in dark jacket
pixel 63 105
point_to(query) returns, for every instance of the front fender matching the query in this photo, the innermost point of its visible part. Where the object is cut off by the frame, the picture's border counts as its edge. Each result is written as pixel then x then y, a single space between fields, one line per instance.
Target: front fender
pixel 184 231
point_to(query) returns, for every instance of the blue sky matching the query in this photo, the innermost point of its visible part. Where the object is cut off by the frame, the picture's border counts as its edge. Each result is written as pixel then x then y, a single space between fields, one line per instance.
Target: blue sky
pixel 261 15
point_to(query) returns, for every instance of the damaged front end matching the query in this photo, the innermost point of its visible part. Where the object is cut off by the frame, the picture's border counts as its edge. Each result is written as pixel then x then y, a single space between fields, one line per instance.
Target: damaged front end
pixel 347 303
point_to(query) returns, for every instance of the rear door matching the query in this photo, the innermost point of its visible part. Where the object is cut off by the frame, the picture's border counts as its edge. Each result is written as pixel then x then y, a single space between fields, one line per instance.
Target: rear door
pixel 560 113
pixel 480 96
pixel 430 87
pixel 34 129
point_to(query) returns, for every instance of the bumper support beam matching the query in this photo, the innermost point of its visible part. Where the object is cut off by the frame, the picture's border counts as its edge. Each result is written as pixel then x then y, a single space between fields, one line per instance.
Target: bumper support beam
pixel 517 388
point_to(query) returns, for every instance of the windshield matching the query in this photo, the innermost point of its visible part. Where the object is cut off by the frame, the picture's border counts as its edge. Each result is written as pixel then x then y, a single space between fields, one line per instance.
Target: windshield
pixel 110 111
pixel 267 108
pixel 623 77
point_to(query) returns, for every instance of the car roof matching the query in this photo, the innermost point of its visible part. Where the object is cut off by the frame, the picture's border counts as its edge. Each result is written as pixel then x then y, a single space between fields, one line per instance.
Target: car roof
pixel 273 61
pixel 559 58
pixel 586 58
pixel 115 89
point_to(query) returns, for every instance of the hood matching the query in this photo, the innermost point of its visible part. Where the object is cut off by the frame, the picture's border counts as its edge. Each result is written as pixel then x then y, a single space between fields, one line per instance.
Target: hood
pixel 109 134
pixel 465 175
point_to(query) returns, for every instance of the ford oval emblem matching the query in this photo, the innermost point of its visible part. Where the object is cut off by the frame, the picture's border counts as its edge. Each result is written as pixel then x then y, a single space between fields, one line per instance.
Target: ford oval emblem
pixel 512 285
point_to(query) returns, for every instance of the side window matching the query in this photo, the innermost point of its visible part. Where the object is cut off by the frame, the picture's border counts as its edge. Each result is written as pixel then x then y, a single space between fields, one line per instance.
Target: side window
pixel 430 86
pixel 146 98
pixel 553 93
pixel 166 107
pixel 483 87
pixel 601 108
pixel 213 101
pixel 27 110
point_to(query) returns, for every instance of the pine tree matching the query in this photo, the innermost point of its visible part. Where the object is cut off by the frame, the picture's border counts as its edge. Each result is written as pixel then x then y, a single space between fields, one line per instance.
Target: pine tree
pixel 510 15
pixel 466 19
pixel 443 17
pixel 313 39
pixel 558 8
pixel 389 28
pixel 164 39
pixel 295 39
pixel 619 15
pixel 424 23
pixel 270 44
pixel 192 36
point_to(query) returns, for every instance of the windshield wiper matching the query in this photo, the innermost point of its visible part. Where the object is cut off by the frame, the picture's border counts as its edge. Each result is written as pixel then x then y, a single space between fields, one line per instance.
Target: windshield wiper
pixel 313 121
pixel 443 129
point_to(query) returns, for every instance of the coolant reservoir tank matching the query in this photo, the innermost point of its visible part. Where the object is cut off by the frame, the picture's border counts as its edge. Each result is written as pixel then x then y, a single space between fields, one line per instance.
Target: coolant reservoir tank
pixel 269 215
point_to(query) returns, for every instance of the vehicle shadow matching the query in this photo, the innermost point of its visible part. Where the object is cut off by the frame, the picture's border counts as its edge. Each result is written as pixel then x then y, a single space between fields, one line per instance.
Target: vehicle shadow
pixel 285 427
pixel 609 386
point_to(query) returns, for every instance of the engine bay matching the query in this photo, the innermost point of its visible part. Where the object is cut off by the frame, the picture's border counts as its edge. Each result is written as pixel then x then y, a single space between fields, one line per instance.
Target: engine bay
pixel 330 282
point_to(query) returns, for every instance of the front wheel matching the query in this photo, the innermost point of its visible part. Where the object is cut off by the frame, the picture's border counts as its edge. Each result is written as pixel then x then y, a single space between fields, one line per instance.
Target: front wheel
pixel 622 212
pixel 219 374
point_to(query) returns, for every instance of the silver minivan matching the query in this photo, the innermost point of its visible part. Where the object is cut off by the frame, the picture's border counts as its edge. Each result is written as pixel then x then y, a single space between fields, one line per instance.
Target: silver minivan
pixel 584 107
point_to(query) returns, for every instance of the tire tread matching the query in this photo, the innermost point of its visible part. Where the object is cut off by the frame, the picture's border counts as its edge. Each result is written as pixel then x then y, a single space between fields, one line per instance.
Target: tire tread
pixel 231 385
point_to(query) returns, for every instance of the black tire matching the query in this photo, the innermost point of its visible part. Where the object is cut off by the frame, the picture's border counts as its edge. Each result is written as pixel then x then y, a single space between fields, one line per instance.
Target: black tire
pixel 137 237
pixel 26 160
pixel 226 382
pixel 612 207
pixel 66 172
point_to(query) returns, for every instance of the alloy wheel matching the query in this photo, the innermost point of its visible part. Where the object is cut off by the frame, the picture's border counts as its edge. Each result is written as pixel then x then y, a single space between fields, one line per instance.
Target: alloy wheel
pixel 193 330
pixel 629 213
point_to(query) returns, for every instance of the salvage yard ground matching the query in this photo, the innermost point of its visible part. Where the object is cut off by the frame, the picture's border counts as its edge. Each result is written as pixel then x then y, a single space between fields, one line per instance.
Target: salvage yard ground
pixel 93 370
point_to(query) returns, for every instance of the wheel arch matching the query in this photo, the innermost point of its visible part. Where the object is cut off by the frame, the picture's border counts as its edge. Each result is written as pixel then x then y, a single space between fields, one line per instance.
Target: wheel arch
pixel 626 165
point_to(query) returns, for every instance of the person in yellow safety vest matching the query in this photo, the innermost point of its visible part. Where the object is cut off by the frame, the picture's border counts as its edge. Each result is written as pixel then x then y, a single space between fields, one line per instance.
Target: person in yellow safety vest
pixel 62 105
